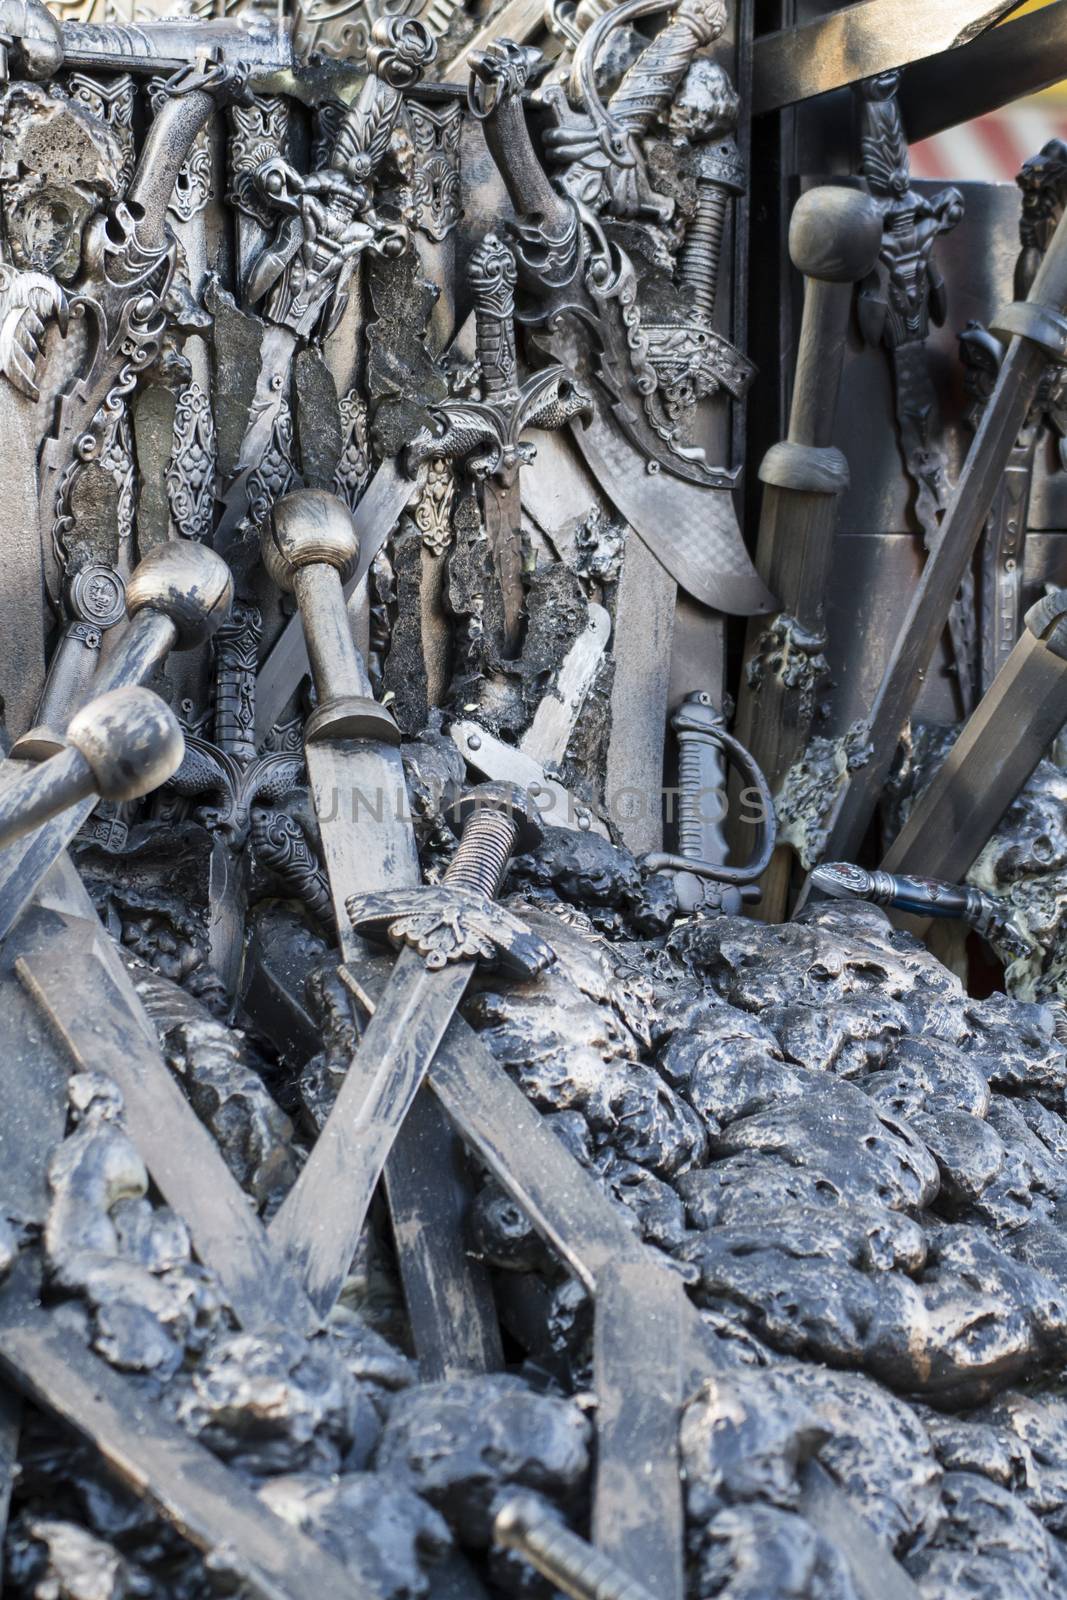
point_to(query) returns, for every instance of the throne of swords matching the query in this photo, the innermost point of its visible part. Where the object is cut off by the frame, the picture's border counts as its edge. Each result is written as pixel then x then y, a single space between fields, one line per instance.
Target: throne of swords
pixel 533 883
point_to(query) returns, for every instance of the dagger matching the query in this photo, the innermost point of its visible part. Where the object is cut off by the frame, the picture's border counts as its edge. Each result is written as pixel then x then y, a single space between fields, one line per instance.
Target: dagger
pixel 176 598
pixel 351 743
pixel 442 932
pixel 834 239
pixel 122 745
pixel 1037 329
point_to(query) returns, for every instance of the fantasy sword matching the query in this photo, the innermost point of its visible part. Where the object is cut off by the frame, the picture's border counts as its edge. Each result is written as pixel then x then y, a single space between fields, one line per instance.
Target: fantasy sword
pixel 442 932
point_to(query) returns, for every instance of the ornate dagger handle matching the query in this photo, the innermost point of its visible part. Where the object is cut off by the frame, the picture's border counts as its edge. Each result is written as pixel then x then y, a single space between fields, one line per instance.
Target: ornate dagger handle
pixel 175 599
pixel 310 548
pixel 925 897
pixel 493 272
pixel 96 600
pixel 120 746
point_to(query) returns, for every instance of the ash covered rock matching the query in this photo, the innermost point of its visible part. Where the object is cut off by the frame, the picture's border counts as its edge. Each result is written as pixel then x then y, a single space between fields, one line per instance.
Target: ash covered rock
pixel 277 1403
pixel 51 1559
pixel 388 1538
pixel 459 1443
pixel 218 1068
pixel 152 1305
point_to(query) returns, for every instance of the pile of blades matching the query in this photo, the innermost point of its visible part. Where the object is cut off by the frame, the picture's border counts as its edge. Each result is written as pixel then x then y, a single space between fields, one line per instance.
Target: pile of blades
pixel 533 874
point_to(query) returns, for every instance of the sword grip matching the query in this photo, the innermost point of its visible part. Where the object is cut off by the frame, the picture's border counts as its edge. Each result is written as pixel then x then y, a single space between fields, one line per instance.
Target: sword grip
pixel 484 853
pixel 494 820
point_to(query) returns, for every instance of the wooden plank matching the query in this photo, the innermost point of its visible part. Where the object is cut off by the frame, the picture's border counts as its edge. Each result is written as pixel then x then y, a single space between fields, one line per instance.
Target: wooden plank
pixel 204 1501
pixel 79 982
pixel 638 1513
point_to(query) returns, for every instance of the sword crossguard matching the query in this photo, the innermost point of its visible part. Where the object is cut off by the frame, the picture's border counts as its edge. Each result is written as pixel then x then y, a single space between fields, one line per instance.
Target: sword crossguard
pixel 120 746
pixel 446 923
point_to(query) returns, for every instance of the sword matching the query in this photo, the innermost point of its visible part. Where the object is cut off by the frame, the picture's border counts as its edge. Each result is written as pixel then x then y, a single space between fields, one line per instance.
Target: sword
pixel 122 745
pixel 176 598
pixel 1037 329
pixel 529 764
pixel 351 743
pixel 441 932
pixel 352 750
pixel 998 749
pixel 834 239
pixel 862 41
pixel 703 743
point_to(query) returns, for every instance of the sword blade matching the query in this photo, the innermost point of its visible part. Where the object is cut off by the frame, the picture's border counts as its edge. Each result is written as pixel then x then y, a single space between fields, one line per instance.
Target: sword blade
pixel 26 862
pixel 209 1505
pixel 368 842
pixel 319 1224
pixel 77 979
pixel 862 41
pixel 942 575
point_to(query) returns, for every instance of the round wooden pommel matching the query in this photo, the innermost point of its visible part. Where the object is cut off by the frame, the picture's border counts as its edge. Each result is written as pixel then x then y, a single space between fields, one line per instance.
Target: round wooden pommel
pixel 835 234
pixel 309 528
pixel 188 583
pixel 131 741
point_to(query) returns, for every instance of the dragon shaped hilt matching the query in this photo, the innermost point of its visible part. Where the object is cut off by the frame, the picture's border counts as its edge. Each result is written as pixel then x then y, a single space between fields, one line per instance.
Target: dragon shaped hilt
pixel 486 434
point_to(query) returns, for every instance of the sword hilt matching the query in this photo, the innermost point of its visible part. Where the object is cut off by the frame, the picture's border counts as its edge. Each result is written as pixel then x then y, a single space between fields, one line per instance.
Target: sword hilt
pixel 496 821
pixel 493 273
pixel 524 1524
pixel 703 747
pixel 175 599
pixel 310 549
pixel 835 236
pixel 120 746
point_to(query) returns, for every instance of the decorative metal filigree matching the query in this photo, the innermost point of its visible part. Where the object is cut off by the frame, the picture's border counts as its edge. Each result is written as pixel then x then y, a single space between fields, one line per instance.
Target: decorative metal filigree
pixel 353 465
pixel 435 134
pixel 190 474
pixel 444 925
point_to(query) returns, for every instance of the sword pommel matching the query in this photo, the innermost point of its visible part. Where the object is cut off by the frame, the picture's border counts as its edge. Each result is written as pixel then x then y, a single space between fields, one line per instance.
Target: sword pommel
pixel 188 584
pixel 309 528
pixel 835 234
pixel 130 740
pixel 122 745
